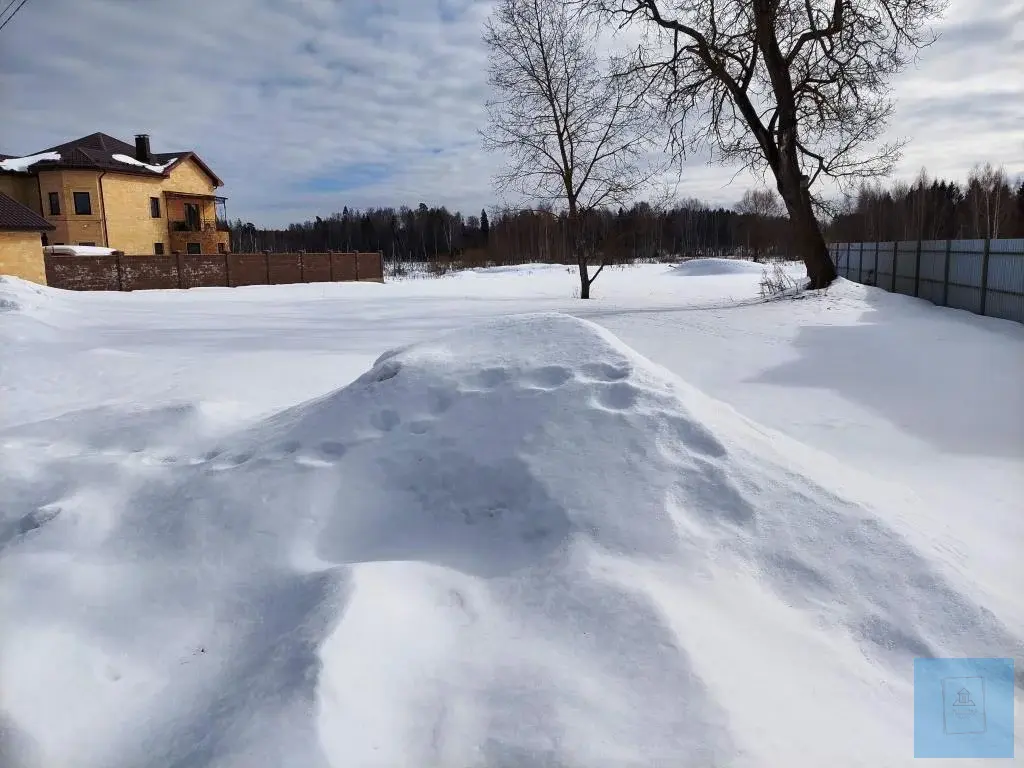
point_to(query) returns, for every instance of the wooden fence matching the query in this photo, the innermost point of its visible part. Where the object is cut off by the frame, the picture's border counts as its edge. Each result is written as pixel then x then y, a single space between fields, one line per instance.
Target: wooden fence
pixel 225 270
pixel 985 277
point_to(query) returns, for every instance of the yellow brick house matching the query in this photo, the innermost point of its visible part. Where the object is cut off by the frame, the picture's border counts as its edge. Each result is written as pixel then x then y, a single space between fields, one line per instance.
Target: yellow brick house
pixel 102 191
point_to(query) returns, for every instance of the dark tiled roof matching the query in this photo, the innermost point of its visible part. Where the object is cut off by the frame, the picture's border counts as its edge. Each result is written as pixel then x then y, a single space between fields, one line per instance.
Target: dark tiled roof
pixel 96 152
pixel 15 216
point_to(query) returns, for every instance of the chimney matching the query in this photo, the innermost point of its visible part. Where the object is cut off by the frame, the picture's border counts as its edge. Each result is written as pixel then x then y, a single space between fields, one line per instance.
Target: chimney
pixel 142 153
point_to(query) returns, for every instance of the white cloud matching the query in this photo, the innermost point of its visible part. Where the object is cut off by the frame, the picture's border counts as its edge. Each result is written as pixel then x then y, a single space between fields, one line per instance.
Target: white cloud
pixel 280 96
pixel 964 102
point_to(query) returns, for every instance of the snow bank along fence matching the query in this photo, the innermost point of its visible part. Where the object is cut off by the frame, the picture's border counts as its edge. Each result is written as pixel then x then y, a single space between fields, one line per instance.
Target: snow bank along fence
pixel 135 273
pixel 985 277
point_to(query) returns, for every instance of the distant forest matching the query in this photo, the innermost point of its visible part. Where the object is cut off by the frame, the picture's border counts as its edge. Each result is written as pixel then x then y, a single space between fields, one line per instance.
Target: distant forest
pixel 989 204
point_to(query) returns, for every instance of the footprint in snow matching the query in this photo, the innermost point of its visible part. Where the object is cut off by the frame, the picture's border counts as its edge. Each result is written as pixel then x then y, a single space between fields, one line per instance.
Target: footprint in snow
pixel 332 449
pixel 386 420
pixel 489 378
pixel 620 396
pixel 28 523
pixel 548 377
pixel 419 427
pixel 604 372
pixel 234 461
pixel 326 454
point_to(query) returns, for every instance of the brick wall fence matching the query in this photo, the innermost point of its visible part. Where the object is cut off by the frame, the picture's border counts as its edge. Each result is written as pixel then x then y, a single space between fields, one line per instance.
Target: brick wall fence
pixel 136 273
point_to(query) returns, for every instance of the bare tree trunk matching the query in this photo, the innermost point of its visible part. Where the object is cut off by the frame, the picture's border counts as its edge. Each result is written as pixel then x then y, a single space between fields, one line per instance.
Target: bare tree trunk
pixel 584 276
pixel 792 184
pixel 783 157
pixel 576 247
pixel 813 250
pixel 809 240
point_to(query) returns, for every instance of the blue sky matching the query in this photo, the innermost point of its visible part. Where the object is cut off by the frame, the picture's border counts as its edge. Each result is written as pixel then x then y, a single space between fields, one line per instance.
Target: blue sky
pixel 303 106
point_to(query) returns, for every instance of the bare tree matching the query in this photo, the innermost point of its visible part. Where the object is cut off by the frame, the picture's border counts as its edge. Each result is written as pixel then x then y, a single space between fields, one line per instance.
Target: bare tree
pixel 759 202
pixel 760 210
pixel 794 87
pixel 1018 199
pixel 990 200
pixel 571 134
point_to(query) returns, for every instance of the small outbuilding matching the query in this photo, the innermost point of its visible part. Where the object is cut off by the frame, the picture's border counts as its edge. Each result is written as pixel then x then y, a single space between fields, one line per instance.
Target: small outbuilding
pixel 21 241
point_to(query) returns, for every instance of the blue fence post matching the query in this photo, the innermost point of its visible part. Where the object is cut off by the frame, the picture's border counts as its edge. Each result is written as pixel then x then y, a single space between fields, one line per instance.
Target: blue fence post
pixel 984 274
pixel 895 258
pixel 917 270
pixel 945 274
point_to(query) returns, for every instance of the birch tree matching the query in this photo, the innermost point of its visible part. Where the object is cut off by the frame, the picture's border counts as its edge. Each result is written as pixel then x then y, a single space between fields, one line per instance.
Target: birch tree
pixel 570 135
pixel 990 200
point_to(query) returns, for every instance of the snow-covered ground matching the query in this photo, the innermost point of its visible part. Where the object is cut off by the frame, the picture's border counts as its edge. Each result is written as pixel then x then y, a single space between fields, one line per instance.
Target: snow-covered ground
pixel 672 526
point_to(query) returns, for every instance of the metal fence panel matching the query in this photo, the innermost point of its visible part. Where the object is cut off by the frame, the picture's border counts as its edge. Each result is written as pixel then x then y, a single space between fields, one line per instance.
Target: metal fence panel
pixel 906 266
pixel 1009 306
pixel 931 271
pixel 835 250
pixel 965 263
pixel 906 252
pixel 931 290
pixel 964 297
pixel 966 259
pixel 868 264
pixel 933 260
pixel 883 264
pixel 884 261
pixel 1006 272
pixel 855 264
pixel 1007 245
pixel 984 277
pixel 1005 280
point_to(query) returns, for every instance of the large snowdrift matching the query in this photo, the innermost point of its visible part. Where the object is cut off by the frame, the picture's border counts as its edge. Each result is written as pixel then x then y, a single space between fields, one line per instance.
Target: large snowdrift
pixel 17 295
pixel 516 545
pixel 717 267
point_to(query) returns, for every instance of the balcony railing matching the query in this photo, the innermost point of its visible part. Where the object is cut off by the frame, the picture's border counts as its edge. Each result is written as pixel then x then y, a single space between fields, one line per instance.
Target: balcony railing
pixel 201 225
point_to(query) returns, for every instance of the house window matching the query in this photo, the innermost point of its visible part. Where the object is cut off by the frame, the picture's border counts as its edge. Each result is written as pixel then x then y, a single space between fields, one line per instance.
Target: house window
pixel 221 248
pixel 192 216
pixel 83 204
pixel 154 207
pixel 193 248
pixel 158 249
pixel 55 204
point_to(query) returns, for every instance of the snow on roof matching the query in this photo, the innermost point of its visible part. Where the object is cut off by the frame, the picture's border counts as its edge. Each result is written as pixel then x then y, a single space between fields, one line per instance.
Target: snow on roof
pixel 154 168
pixel 21 164
pixel 77 250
